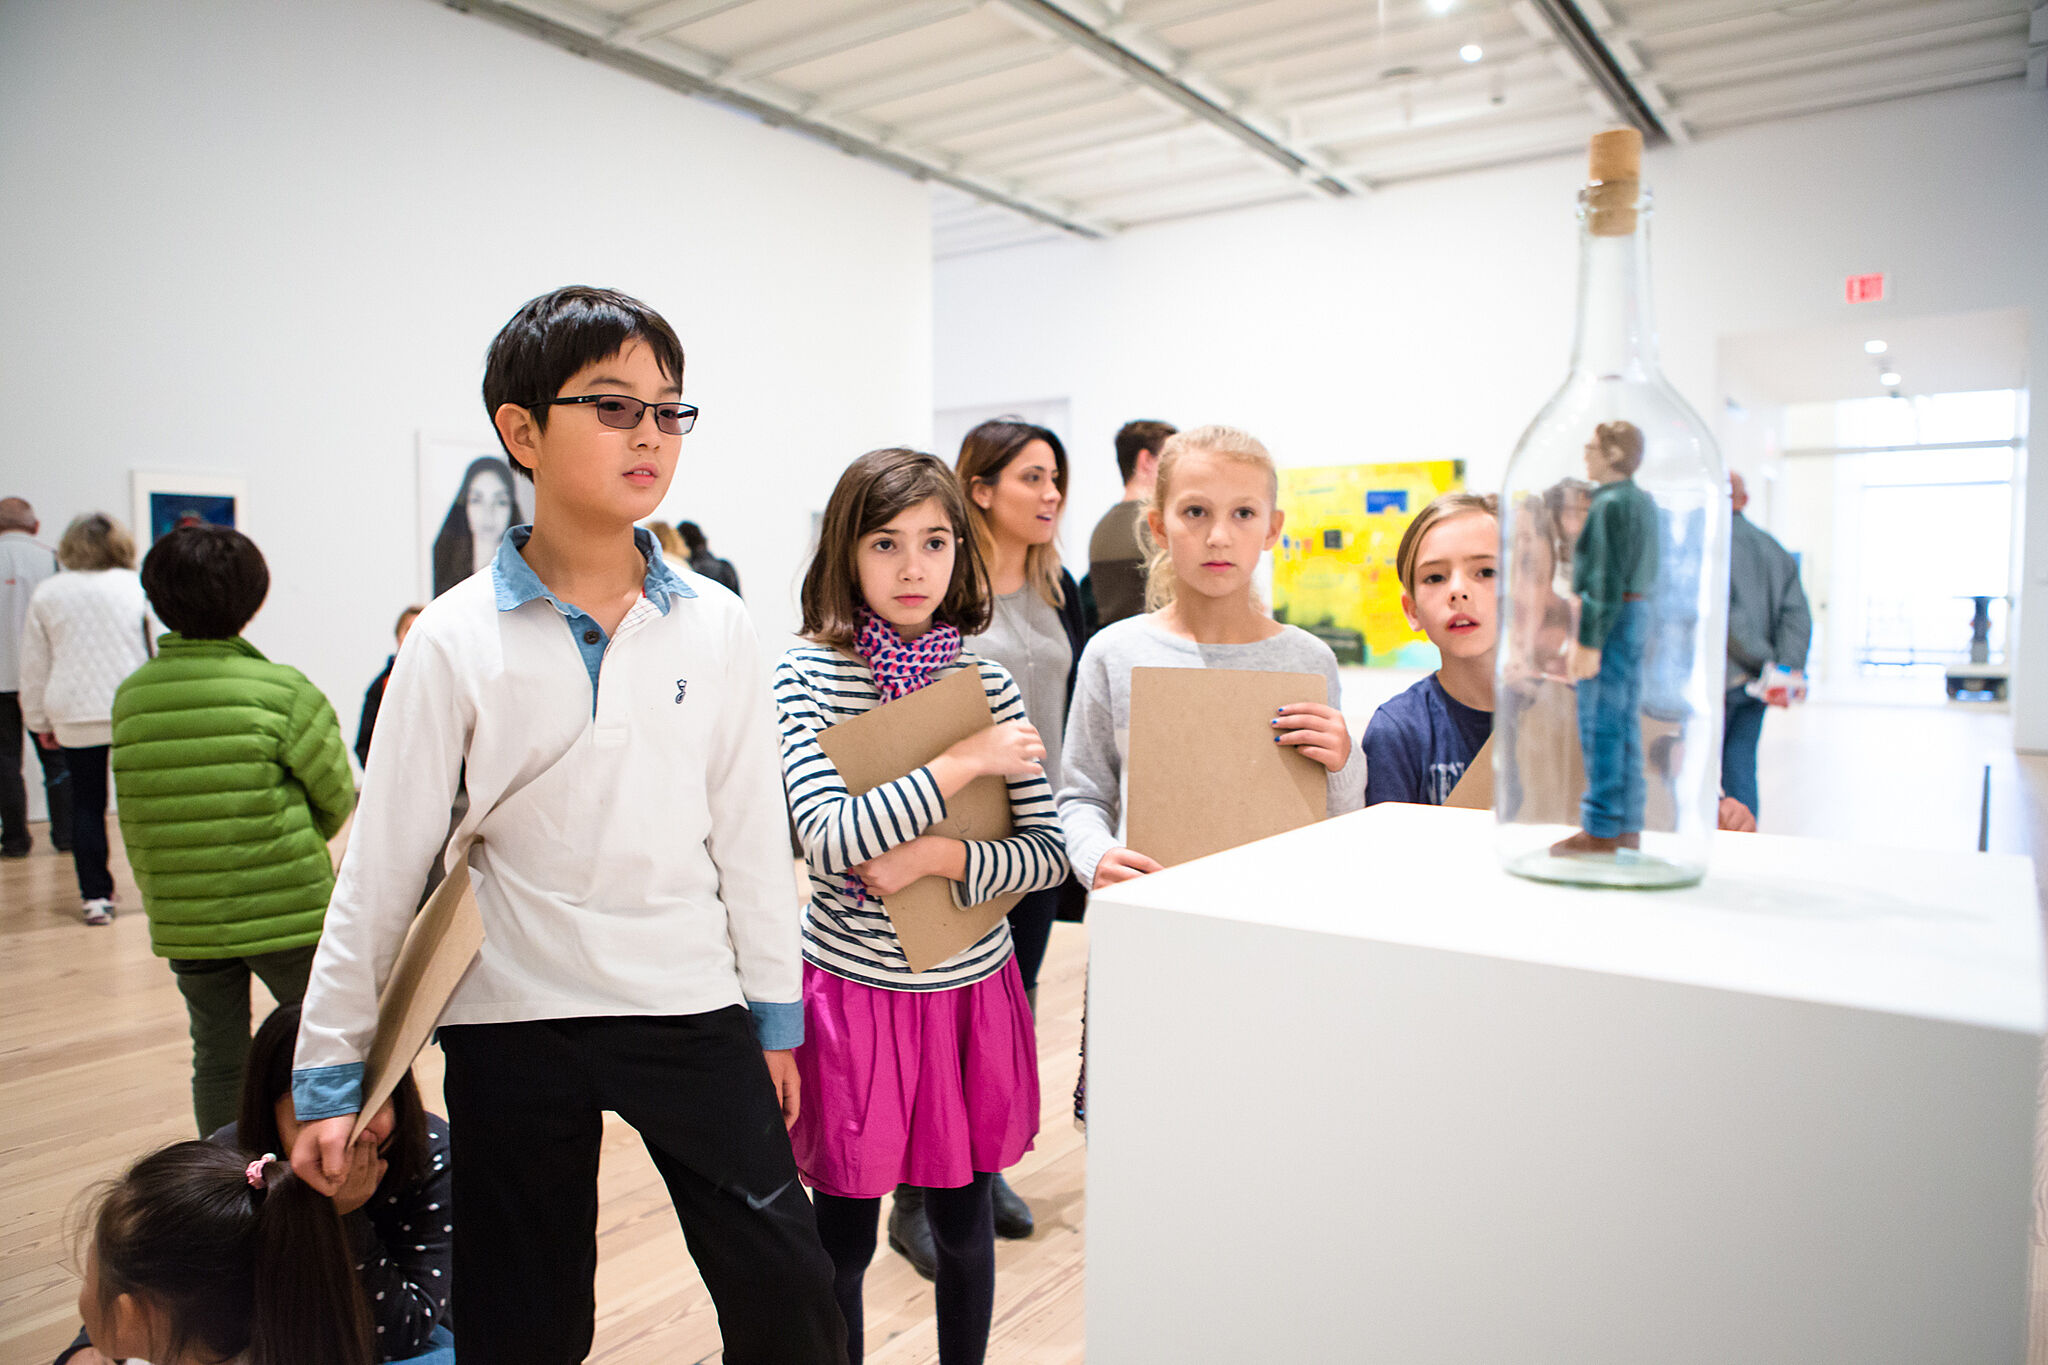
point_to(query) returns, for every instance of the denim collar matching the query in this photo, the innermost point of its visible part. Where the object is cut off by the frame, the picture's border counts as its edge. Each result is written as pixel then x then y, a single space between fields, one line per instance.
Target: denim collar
pixel 516 583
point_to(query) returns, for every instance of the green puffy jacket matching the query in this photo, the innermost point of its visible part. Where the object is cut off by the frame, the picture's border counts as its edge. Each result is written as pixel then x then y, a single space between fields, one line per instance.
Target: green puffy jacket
pixel 232 778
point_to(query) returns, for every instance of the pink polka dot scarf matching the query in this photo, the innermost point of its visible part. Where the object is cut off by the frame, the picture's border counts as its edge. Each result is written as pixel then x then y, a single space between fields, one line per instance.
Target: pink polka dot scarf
pixel 903 666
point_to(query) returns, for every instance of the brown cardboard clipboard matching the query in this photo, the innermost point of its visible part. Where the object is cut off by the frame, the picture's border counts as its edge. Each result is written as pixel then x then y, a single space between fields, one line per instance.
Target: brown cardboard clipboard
pixel 1205 774
pixel 444 939
pixel 899 737
pixel 1474 789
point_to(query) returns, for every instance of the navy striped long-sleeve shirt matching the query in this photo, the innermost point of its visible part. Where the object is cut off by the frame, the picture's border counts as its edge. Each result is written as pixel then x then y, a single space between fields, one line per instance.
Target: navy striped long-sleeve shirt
pixel 816 688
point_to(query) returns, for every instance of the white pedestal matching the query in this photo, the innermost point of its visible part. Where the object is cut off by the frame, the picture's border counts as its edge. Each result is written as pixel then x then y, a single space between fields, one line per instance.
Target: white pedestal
pixel 1357 1095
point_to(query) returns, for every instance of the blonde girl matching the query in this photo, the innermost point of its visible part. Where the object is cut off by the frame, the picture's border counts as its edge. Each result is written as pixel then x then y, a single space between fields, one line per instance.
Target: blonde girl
pixel 1212 515
pixel 914 1078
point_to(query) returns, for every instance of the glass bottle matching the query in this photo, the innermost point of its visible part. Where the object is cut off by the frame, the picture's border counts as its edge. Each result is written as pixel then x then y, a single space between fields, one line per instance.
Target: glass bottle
pixel 1629 562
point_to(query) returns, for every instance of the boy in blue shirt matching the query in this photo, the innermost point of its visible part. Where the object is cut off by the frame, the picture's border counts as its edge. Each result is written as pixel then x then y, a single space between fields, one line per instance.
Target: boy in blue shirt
pixel 613 728
pixel 1419 743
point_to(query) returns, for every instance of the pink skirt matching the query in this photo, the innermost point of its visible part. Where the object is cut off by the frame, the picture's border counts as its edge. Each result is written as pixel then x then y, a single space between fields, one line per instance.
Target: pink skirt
pixel 913 1087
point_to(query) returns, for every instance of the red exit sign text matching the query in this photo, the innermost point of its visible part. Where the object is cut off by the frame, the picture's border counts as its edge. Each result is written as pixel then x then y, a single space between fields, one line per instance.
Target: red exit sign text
pixel 1865 288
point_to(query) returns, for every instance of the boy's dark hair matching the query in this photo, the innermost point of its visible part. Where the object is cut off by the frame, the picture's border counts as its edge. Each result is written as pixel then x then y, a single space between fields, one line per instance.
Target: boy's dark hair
pixel 552 337
pixel 255 1273
pixel 1137 437
pixel 693 536
pixel 205 582
pixel 873 489
pixel 267 1077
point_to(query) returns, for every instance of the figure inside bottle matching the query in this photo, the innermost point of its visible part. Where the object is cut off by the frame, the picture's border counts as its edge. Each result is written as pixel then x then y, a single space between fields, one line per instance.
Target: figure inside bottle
pixel 1614 569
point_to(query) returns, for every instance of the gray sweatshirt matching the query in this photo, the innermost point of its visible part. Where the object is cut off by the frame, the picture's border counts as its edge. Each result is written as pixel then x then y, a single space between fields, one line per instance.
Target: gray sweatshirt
pixel 1768 620
pixel 1091 797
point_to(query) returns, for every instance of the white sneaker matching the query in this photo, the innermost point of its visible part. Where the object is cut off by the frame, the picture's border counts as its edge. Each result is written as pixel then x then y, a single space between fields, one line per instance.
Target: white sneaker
pixel 99 912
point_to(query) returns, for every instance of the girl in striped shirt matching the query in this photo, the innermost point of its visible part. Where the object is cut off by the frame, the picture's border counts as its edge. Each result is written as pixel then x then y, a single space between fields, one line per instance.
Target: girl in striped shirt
pixel 923 1078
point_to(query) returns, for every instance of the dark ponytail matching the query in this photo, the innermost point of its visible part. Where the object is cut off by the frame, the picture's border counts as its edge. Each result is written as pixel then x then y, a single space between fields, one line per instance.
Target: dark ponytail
pixel 232 1267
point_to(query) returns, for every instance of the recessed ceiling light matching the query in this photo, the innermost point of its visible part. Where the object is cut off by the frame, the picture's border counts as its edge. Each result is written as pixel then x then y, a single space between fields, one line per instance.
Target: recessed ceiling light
pixel 1470 52
pixel 1874 348
pixel 1441 6
pixel 1890 379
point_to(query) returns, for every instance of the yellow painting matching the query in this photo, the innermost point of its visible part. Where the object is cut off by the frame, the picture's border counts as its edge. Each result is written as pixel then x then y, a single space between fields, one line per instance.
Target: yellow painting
pixel 1333 571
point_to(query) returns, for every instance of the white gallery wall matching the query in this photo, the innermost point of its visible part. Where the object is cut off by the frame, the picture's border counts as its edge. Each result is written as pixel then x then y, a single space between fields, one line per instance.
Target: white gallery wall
pixel 272 240
pixel 1431 320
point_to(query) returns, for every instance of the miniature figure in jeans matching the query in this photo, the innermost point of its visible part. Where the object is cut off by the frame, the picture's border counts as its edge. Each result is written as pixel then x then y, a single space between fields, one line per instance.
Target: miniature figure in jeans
pixel 1614 567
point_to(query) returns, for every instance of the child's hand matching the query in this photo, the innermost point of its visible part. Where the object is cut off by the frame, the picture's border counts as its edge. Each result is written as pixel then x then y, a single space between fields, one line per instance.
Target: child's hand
pixel 1585 662
pixel 788 1088
pixel 320 1156
pixel 1735 817
pixel 1317 730
pixel 366 1167
pixel 1122 865
pixel 893 870
pixel 1012 749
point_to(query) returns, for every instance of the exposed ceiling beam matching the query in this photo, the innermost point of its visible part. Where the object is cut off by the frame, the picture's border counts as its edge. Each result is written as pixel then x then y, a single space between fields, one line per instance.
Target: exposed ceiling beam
pixel 1600 66
pixel 1109 51
pixel 637 62
pixel 868 26
pixel 924 77
pixel 665 18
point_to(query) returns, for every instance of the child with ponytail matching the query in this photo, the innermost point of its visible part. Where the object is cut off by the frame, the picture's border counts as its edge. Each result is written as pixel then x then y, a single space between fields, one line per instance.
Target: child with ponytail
pixel 924 1078
pixel 199 1256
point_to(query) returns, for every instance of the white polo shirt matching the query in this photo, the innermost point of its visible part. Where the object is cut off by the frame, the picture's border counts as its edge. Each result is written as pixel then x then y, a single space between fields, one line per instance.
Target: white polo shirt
pixel 626 794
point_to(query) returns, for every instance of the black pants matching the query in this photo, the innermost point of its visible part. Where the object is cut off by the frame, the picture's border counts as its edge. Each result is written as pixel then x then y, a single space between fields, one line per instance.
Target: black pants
pixel 963 1235
pixel 14 836
pixel 1031 930
pixel 525 1116
pixel 88 770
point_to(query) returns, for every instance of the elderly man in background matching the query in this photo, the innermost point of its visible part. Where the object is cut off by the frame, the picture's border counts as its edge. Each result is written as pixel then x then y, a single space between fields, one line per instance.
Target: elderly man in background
pixel 1768 623
pixel 24 562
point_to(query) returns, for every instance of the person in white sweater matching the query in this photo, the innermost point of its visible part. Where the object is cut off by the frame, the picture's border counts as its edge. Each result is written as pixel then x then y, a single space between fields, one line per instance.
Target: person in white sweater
pixel 87 629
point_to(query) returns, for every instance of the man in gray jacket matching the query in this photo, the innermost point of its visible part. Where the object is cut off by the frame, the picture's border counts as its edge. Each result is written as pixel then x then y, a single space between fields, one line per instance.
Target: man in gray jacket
pixel 1768 623
pixel 24 562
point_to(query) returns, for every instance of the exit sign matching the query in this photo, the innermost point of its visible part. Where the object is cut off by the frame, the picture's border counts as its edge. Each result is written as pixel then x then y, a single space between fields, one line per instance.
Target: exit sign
pixel 1865 288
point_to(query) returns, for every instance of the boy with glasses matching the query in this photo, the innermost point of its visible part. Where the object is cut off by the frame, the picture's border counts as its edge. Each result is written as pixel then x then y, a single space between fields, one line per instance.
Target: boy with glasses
pixel 631 866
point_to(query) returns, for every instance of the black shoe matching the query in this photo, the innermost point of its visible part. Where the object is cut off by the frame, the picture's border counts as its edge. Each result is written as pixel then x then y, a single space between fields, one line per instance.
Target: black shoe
pixel 11 853
pixel 910 1234
pixel 1013 1215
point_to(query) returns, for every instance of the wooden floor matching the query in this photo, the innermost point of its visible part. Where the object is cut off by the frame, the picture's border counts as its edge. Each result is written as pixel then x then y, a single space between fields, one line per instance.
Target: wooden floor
pixel 95 1066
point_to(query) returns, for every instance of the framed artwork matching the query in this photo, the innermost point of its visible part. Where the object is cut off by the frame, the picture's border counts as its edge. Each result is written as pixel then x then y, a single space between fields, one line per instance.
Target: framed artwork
pixel 468 498
pixel 163 502
pixel 1333 571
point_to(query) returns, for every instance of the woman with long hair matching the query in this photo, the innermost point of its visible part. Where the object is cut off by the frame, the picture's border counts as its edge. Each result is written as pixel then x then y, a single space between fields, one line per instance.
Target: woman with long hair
pixel 1014 476
pixel 485 507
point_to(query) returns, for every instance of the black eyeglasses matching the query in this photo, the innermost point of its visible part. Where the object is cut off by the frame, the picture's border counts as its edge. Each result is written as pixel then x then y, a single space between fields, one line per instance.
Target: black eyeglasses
pixel 617 410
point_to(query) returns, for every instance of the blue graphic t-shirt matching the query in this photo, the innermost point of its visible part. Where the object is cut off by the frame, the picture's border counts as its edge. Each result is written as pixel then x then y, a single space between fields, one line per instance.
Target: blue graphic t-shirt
pixel 1417 745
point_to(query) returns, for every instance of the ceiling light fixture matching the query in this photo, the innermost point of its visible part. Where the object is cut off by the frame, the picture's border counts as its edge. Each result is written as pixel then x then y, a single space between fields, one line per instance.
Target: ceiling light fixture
pixel 1441 6
pixel 1470 52
pixel 1875 348
pixel 1890 379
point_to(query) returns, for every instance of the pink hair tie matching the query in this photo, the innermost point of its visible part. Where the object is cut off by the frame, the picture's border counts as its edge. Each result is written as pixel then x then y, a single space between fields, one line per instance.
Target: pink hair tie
pixel 254 1173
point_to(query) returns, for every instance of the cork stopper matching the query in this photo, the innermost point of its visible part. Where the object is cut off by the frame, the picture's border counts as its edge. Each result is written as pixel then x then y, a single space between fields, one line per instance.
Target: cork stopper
pixel 1616 154
pixel 1614 168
